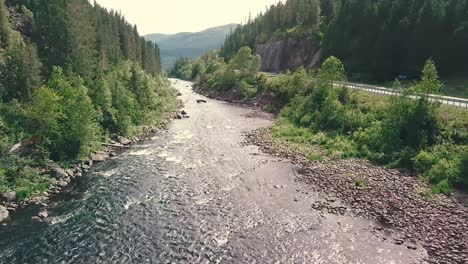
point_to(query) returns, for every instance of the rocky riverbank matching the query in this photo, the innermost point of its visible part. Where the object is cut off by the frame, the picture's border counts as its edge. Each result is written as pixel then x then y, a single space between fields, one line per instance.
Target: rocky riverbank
pixel 62 178
pixel 396 199
pixel 262 101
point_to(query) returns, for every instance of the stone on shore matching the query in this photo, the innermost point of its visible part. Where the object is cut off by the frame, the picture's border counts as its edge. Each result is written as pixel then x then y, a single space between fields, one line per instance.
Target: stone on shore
pixel 58 172
pixel 99 156
pixel 9 196
pixel 3 213
pixel 124 141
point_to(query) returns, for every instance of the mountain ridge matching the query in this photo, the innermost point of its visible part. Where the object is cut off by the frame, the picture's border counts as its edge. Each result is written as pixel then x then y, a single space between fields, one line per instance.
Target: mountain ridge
pixel 189 44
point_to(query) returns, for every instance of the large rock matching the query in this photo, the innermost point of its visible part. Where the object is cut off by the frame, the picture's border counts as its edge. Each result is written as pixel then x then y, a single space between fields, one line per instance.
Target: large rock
pixel 99 156
pixel 9 196
pixel 43 214
pixel 58 172
pixel 3 213
pixel 53 182
pixel 15 148
pixel 124 141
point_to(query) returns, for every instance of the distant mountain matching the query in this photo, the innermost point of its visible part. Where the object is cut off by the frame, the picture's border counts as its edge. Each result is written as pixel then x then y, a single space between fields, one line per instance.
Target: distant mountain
pixel 187 44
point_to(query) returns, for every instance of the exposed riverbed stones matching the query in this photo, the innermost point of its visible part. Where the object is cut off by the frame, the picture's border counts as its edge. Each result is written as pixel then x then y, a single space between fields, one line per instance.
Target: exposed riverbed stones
pixel 396 199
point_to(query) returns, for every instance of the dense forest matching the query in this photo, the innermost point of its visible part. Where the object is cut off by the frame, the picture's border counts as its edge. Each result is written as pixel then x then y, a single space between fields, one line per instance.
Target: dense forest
pixel 72 75
pixel 376 40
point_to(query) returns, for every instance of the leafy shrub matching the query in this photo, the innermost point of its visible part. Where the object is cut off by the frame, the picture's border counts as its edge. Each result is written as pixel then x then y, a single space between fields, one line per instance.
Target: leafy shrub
pixel 442 187
pixel 424 161
pixel 406 133
pixel 247 90
pixel 17 174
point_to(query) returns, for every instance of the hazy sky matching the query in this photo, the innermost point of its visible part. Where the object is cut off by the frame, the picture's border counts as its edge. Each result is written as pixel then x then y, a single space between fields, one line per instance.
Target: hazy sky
pixel 172 16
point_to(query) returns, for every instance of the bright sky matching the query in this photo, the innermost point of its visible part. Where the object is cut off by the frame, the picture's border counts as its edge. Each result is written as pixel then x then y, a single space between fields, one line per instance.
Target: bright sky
pixel 173 16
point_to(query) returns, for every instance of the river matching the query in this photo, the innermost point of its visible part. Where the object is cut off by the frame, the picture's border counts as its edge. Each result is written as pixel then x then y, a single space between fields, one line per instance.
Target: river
pixel 194 194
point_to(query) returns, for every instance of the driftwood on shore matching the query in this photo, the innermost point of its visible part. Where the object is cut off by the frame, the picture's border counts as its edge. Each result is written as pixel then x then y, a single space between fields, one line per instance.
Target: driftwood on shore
pixel 115 145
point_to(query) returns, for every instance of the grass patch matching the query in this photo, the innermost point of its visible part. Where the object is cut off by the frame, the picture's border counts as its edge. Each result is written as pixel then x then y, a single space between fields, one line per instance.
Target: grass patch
pixel 442 187
pixel 315 157
pixel 360 184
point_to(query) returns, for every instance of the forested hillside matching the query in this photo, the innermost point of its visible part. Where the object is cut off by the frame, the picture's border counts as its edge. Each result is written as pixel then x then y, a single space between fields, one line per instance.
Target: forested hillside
pixel 188 44
pixel 376 40
pixel 72 75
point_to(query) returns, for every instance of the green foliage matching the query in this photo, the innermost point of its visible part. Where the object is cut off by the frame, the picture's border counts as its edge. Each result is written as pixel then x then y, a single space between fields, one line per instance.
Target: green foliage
pixel 17 174
pixel 442 187
pixel 66 117
pixel 406 133
pixel 377 40
pixel 315 157
pixel 286 86
pixel 212 72
pixel 291 19
pixel 360 184
pixel 71 74
pixel 246 90
pixel 430 83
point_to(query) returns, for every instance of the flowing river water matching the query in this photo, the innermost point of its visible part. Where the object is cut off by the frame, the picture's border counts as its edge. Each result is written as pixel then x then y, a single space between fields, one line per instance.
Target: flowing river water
pixel 195 194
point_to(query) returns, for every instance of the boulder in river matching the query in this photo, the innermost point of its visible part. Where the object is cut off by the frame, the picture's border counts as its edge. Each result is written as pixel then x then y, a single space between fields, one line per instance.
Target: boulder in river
pixel 43 214
pixel 9 196
pixel 199 101
pixel 179 94
pixel 183 112
pixel 3 213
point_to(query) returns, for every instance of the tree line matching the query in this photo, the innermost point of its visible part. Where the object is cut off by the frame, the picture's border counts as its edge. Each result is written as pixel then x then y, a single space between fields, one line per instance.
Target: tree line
pixel 72 75
pixel 377 40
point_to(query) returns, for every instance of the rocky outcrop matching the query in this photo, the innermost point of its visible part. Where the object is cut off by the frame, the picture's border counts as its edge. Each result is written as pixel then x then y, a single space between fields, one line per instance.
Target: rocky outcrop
pixel 288 54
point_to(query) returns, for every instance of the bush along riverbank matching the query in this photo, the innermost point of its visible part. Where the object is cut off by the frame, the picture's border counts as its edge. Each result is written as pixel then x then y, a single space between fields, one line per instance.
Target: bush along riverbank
pixel 61 126
pixel 416 150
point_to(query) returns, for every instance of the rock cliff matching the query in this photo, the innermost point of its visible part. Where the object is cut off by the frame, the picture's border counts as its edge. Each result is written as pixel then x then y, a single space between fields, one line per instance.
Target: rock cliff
pixel 288 54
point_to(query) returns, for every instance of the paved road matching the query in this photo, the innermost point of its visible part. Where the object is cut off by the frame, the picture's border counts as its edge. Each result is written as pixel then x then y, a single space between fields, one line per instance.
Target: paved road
pixel 446 100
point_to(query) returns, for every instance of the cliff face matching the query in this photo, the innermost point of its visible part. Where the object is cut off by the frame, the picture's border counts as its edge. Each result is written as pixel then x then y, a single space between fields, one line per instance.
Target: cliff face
pixel 288 54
